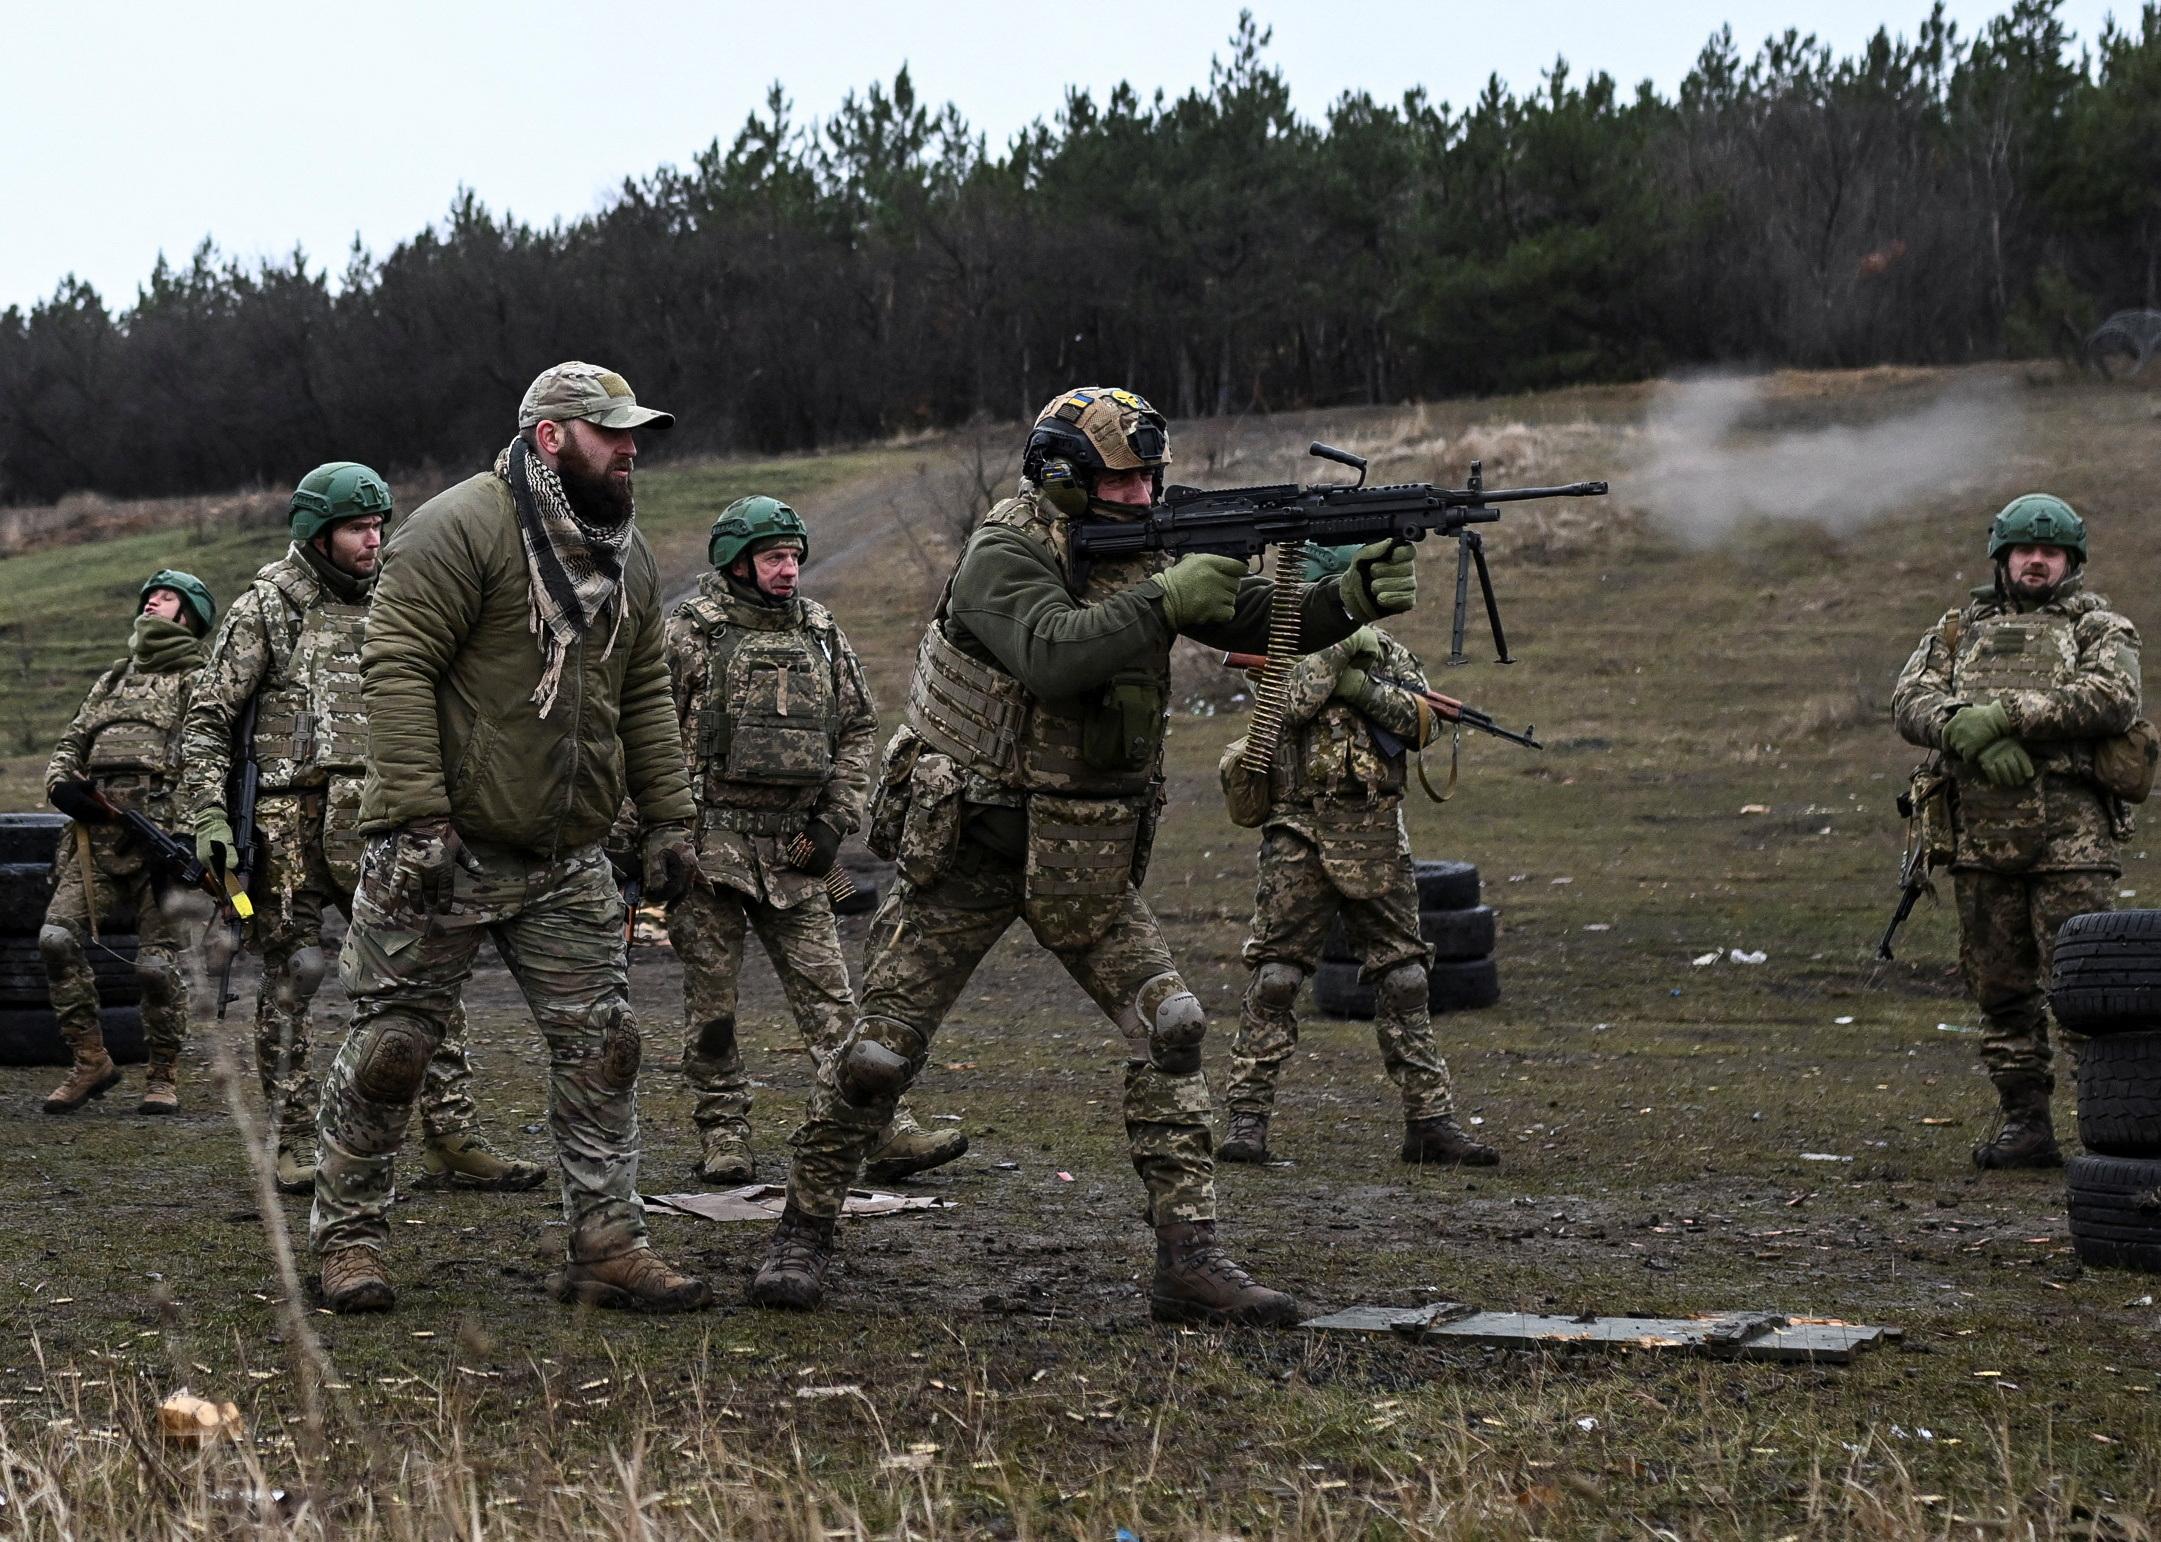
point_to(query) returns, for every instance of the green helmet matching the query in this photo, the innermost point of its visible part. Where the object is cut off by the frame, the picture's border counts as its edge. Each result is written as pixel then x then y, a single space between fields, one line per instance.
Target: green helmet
pixel 2038 519
pixel 1327 561
pixel 193 592
pixel 747 521
pixel 335 490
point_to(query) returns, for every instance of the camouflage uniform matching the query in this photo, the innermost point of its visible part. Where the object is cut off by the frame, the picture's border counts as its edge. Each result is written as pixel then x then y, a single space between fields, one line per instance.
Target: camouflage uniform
pixel 1333 842
pixel 292 643
pixel 2027 856
pixel 779 729
pixel 126 737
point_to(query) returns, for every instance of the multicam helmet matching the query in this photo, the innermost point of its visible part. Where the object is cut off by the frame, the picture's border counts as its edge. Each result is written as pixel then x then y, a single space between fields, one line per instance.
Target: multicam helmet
pixel 2038 519
pixel 335 490
pixel 748 521
pixel 193 592
pixel 1089 430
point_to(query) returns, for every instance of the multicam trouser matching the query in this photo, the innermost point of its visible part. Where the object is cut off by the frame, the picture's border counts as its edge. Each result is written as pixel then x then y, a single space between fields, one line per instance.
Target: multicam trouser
pixel 123 881
pixel 1292 907
pixel 2006 937
pixel 559 928
pixel 803 941
pixel 924 945
pixel 294 884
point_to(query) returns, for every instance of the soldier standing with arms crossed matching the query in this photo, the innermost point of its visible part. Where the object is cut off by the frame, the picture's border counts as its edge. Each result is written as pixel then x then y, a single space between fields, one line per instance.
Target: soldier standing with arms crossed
pixel 2019 690
pixel 1024 784
pixel 779 730
pixel 291 645
pixel 515 689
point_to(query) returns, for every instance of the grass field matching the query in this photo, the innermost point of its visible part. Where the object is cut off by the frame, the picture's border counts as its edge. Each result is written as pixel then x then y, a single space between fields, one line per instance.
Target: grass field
pixel 1718 776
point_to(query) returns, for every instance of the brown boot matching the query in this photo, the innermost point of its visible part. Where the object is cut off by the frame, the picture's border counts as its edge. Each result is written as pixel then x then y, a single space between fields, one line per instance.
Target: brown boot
pixel 1196 1281
pixel 1443 1140
pixel 724 1157
pixel 907 1148
pixel 2027 1136
pixel 1246 1140
pixel 354 1281
pixel 161 1088
pixel 636 1281
pixel 467 1161
pixel 796 1258
pixel 91 1077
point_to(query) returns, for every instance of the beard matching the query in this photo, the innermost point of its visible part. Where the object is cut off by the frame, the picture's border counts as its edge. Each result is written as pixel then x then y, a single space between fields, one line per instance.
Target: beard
pixel 595 497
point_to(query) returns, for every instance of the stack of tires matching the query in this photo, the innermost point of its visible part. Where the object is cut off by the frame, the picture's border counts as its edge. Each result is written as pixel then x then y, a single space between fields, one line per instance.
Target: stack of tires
pixel 29 1033
pixel 1460 931
pixel 2107 986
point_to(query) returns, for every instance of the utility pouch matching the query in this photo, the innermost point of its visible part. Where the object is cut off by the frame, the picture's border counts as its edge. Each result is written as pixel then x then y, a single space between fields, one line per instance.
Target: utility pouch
pixel 930 830
pixel 1119 732
pixel 2124 763
pixel 1245 792
pixel 342 840
pixel 1081 854
pixel 888 811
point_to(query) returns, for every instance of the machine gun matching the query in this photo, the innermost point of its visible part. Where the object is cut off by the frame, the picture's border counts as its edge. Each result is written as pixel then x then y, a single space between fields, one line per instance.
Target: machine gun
pixel 1926 806
pixel 241 796
pixel 1244 522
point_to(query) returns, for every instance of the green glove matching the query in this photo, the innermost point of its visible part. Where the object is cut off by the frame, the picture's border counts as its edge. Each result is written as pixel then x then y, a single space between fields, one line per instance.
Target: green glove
pixel 1361 647
pixel 1382 581
pixel 1972 729
pixel 1352 684
pixel 2005 763
pixel 214 840
pixel 1200 590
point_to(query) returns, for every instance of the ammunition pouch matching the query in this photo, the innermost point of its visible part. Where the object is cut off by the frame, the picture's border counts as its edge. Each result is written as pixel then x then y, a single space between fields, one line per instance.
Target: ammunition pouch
pixel 1245 792
pixel 887 815
pixel 930 829
pixel 1080 863
pixel 1120 731
pixel 2124 763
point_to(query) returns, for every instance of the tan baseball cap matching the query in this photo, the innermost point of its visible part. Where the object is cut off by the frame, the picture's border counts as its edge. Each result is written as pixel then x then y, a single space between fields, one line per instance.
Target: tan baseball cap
pixel 576 389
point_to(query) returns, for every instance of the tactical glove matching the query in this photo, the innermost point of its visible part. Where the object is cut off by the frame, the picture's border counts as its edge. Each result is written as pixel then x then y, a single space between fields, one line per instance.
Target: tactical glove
pixel 1382 581
pixel 1353 685
pixel 1972 729
pixel 2005 763
pixel 824 847
pixel 671 863
pixel 74 799
pixel 1200 590
pixel 214 840
pixel 1361 647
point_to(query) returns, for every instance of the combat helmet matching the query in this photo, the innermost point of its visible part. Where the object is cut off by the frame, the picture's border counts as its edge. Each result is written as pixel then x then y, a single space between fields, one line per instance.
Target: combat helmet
pixel 193 592
pixel 2038 519
pixel 747 521
pixel 1093 429
pixel 335 490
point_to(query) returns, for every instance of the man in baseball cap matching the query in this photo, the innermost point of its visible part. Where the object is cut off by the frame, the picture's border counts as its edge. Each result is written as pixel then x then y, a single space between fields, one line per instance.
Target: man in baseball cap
pixel 586 393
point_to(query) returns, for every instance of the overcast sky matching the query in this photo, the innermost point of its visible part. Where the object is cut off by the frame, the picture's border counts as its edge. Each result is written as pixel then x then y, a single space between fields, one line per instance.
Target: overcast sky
pixel 136 128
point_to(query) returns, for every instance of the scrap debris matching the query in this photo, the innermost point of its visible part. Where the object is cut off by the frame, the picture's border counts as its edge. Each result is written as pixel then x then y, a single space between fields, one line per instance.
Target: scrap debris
pixel 763 1202
pixel 1734 1335
pixel 197 1420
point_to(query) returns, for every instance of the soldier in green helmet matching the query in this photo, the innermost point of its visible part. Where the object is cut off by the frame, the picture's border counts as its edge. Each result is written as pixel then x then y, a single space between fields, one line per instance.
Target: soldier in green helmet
pixel 125 742
pixel 1333 844
pixel 779 730
pixel 291 645
pixel 2024 692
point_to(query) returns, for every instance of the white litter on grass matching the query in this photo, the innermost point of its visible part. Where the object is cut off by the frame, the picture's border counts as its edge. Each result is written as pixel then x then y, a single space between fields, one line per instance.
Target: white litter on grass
pixel 1842 1021
pixel 1823 1156
pixel 2127 894
pixel 1954 1028
pixel 1705 960
pixel 1756 957
pixel 1586 1423
pixel 1599 926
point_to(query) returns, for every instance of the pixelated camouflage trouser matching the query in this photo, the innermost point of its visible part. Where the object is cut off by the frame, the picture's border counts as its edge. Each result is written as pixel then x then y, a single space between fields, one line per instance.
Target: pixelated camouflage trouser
pixel 123 881
pixel 706 927
pixel 1293 904
pixel 294 884
pixel 924 945
pixel 2006 937
pixel 559 928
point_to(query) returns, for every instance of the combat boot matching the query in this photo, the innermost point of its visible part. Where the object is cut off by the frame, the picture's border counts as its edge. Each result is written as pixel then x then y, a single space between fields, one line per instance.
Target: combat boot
pixel 2027 1136
pixel 724 1157
pixel 161 1088
pixel 1442 1140
pixel 636 1281
pixel 908 1149
pixel 91 1077
pixel 354 1281
pixel 796 1259
pixel 1246 1140
pixel 467 1161
pixel 1196 1281
pixel 293 1170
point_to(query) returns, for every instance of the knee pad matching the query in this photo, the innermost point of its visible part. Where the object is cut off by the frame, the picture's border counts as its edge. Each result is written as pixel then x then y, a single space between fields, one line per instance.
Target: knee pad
pixel 715 1040
pixel 621 1047
pixel 1275 986
pixel 1174 1022
pixel 159 977
pixel 308 968
pixel 878 1060
pixel 1402 989
pixel 57 945
pixel 393 1061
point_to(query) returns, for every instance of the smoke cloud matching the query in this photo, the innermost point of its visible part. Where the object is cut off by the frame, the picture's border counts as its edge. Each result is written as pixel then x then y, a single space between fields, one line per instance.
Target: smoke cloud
pixel 1720 457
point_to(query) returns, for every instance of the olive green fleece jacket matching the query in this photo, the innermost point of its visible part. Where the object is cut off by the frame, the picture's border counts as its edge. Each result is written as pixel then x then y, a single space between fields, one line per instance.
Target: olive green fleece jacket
pixel 448 673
